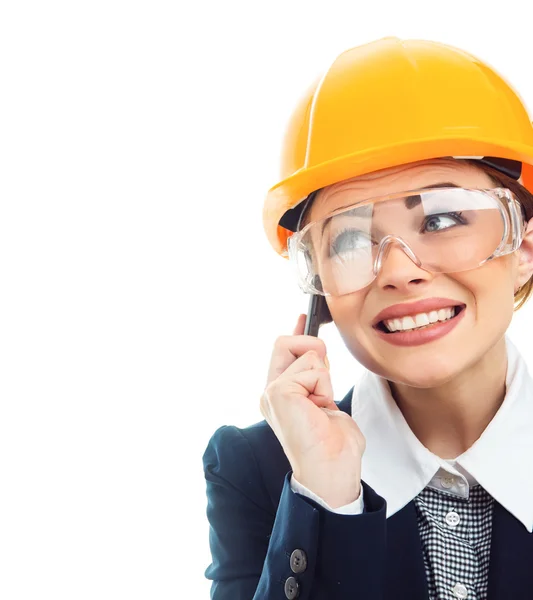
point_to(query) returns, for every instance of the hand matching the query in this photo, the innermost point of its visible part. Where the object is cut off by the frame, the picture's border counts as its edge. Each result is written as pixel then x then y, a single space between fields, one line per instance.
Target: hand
pixel 323 444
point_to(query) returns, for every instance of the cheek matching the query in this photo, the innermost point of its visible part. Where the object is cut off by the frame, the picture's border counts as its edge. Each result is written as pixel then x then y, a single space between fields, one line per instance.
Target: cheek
pixel 352 317
pixel 493 283
pixel 489 294
pixel 346 310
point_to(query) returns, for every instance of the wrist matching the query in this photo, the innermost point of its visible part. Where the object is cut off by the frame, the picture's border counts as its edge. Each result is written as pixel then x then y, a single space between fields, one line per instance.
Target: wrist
pixel 344 499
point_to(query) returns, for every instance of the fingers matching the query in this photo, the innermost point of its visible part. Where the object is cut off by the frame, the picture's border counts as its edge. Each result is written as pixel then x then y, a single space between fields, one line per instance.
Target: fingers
pixel 283 395
pixel 289 348
pixel 317 385
pixel 310 360
pixel 300 325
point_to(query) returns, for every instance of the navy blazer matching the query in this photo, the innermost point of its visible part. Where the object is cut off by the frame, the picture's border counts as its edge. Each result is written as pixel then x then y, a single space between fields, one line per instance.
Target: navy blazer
pixel 257 523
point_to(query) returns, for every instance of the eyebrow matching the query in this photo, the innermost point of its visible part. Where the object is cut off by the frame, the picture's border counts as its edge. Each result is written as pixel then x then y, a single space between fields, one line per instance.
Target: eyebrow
pixel 410 201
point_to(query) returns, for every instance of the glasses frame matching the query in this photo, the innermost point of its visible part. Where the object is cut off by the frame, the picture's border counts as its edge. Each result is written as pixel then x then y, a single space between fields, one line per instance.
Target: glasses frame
pixel 510 208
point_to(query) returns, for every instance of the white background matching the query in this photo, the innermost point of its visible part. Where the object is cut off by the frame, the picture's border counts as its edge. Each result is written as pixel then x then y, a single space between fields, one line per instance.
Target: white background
pixel 139 296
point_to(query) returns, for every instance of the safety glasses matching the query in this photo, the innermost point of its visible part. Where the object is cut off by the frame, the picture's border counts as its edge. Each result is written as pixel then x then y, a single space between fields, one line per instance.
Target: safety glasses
pixel 442 230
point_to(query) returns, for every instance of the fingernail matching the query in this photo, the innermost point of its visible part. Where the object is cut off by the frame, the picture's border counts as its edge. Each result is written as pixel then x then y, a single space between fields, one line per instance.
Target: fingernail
pixel 326 362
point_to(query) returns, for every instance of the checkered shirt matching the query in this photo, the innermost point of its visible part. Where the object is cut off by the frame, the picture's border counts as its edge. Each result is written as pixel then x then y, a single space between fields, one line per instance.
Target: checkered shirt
pixel 455 529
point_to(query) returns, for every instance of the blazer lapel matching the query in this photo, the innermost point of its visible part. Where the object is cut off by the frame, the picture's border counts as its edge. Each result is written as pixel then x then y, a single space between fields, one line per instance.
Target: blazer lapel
pixel 511 558
pixel 406 575
pixel 406 572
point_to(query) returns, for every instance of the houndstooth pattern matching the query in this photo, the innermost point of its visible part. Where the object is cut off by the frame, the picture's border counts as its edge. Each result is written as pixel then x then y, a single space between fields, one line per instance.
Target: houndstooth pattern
pixel 455 555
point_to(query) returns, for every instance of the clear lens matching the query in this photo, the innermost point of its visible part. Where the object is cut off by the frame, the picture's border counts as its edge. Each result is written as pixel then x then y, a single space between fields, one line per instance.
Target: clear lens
pixel 448 230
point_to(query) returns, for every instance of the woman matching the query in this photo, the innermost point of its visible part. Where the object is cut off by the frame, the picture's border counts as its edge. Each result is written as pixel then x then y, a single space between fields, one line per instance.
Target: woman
pixel 405 203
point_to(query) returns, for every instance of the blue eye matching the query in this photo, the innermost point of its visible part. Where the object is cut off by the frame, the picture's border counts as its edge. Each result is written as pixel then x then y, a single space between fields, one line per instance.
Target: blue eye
pixel 455 218
pixel 349 240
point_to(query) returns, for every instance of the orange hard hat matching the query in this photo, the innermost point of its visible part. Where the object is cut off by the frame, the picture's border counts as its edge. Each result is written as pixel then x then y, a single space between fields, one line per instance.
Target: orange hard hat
pixel 392 102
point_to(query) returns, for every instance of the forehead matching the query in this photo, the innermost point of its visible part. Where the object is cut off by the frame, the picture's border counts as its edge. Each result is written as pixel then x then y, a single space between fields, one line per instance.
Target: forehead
pixel 398 179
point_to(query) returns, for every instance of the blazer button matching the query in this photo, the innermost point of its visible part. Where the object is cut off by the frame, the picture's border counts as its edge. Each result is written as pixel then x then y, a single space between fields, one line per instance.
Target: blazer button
pixel 298 561
pixel 292 588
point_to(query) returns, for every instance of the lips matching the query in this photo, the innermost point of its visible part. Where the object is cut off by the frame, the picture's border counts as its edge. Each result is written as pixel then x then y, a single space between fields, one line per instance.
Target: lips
pixel 413 308
pixel 423 335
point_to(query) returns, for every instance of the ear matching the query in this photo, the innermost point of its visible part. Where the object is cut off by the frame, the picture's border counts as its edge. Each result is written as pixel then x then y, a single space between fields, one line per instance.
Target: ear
pixel 525 252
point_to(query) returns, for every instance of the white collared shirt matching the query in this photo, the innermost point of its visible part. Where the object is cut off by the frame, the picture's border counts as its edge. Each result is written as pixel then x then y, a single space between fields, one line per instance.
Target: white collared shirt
pixel 398 466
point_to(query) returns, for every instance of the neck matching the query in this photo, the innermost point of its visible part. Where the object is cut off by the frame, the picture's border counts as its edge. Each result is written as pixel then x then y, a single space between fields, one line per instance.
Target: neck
pixel 448 419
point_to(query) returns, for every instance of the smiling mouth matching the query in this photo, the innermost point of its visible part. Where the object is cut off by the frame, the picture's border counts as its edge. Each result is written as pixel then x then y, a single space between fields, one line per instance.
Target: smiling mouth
pixel 456 311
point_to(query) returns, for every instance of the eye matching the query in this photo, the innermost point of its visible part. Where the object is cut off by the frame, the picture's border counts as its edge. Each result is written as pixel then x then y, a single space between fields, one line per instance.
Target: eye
pixel 349 240
pixel 435 221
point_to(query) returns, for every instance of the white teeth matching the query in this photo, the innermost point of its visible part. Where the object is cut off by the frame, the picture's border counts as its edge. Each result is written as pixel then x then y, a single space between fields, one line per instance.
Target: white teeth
pixel 442 314
pixel 422 319
pixel 419 320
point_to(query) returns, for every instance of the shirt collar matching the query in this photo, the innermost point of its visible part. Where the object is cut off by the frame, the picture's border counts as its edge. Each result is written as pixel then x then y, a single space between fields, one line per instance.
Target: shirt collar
pixel 501 460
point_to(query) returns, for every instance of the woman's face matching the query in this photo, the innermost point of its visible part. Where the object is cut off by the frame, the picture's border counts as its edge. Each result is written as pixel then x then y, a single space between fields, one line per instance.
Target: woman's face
pixel 487 291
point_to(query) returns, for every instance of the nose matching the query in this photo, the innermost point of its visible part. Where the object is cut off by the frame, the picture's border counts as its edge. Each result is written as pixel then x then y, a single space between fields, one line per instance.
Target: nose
pixel 398 267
